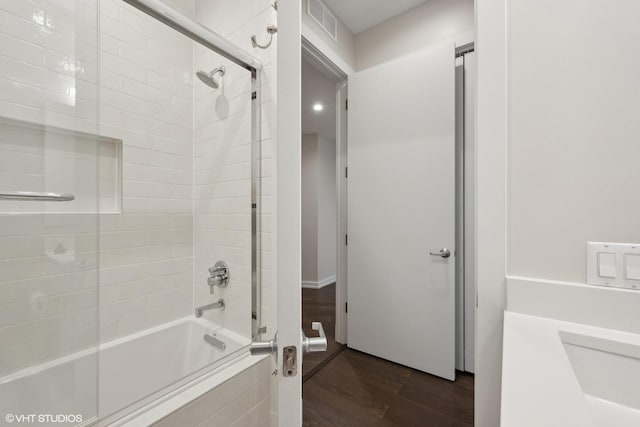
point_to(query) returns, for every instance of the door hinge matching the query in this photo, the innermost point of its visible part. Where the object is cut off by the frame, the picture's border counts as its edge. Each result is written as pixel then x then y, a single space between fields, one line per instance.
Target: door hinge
pixel 346 172
pixel 346 104
pixel 254 95
pixel 346 240
pixel 346 307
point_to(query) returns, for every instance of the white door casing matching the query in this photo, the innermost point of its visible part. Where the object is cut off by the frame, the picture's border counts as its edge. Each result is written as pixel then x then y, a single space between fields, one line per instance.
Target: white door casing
pixel 401 197
pixel 470 210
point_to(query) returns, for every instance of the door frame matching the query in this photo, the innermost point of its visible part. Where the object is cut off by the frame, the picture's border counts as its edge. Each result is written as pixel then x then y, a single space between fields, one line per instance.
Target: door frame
pixel 491 205
pixel 465 207
pixel 320 59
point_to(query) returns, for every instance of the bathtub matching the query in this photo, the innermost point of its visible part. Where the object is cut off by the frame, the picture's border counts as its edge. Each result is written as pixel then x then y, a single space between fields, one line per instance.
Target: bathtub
pixel 125 375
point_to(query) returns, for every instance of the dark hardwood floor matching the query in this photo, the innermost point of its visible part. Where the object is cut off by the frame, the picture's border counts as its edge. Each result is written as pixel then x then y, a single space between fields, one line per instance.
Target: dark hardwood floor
pixel 319 305
pixel 359 390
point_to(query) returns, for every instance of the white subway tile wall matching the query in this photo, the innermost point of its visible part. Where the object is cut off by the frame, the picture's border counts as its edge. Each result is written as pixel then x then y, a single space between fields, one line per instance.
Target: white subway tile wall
pixel 222 139
pixel 48 66
pixel 146 100
pixel 217 131
pixel 243 401
pixel 48 263
pixel 48 280
pixel 43 158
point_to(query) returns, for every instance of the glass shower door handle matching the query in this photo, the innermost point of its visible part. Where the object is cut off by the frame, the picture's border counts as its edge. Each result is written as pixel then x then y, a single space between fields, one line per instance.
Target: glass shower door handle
pixel 313 344
pixel 37 196
pixel 257 348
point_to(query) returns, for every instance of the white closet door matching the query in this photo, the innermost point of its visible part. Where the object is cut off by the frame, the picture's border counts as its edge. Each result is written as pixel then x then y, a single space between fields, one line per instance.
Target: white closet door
pixel 401 208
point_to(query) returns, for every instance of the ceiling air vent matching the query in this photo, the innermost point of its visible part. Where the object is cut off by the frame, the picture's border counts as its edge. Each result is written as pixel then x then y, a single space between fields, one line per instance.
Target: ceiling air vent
pixel 319 13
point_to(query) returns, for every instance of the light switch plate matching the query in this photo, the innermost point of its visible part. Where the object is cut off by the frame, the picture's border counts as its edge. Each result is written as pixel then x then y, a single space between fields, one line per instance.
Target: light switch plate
pixel 613 264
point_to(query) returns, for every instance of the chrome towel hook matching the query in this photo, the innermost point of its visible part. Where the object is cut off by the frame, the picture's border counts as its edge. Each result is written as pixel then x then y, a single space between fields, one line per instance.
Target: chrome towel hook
pixel 271 29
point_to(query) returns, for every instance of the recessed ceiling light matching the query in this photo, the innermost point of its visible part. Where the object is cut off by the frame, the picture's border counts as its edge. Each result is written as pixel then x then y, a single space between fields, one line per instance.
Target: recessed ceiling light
pixel 318 107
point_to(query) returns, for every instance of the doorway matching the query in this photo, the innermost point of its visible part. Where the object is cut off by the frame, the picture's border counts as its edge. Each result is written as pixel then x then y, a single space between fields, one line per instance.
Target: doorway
pixel 345 370
pixel 324 110
pixel 320 205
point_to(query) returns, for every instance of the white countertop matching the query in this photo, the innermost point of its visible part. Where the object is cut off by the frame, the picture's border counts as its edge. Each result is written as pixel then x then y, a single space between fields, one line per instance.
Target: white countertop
pixel 539 386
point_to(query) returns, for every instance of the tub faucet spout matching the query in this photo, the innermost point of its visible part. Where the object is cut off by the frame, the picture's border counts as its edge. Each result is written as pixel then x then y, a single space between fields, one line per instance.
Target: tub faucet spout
pixel 218 304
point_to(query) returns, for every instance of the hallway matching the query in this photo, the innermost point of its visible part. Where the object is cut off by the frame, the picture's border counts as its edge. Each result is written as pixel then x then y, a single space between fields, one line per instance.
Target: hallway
pixel 356 389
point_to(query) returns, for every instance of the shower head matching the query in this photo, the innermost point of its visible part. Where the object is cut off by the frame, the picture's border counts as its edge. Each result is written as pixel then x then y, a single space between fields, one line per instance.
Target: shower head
pixel 209 78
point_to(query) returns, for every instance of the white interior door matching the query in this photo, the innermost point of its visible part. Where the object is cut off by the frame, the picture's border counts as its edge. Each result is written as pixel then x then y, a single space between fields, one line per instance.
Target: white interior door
pixel 287 232
pixel 401 208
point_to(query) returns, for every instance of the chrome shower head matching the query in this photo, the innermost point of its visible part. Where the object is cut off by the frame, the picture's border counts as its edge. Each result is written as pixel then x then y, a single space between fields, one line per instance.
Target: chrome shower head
pixel 209 78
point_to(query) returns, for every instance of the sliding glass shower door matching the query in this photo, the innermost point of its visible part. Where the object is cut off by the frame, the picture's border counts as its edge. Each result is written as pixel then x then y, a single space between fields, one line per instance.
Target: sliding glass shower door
pixel 124 180
pixel 55 176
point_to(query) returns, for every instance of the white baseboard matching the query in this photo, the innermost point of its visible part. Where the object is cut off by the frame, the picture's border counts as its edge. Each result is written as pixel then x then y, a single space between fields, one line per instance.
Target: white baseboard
pixel 320 284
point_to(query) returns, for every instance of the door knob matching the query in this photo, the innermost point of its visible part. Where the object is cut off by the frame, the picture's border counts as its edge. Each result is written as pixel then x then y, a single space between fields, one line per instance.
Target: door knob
pixel 289 354
pixel 318 343
pixel 444 253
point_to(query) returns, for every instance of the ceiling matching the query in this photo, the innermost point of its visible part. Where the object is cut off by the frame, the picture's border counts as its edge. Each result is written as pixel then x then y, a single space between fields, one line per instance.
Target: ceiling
pixel 358 15
pixel 318 88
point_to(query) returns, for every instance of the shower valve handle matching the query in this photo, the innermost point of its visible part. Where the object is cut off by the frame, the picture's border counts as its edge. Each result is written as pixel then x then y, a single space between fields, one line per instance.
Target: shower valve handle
pixel 218 280
pixel 219 275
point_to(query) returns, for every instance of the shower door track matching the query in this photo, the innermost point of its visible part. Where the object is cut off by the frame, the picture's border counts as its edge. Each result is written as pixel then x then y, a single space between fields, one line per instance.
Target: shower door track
pixel 217 43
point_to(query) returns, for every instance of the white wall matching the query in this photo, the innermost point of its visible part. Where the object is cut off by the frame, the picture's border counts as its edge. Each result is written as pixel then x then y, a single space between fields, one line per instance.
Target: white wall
pixel 318 210
pixel 413 30
pixel 573 119
pixel 569 151
pixel 327 209
pixel 309 208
